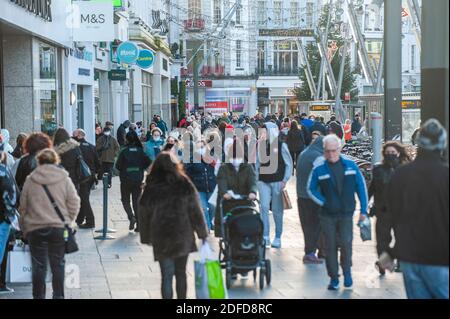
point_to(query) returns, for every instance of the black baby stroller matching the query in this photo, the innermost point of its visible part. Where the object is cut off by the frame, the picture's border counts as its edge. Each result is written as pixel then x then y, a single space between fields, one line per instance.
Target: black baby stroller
pixel 242 247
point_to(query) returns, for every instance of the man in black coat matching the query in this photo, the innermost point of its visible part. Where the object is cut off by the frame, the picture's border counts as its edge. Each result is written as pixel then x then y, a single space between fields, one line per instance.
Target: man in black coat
pixel 122 132
pixel 90 156
pixel 319 126
pixel 418 211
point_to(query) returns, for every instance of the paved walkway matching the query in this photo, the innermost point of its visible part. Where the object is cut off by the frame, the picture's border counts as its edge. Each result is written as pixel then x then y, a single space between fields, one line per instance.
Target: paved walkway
pixel 125 269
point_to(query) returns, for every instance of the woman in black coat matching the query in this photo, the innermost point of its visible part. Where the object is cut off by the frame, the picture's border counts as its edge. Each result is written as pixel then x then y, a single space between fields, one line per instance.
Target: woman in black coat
pixel 296 141
pixel 394 155
pixel 169 215
pixel 70 153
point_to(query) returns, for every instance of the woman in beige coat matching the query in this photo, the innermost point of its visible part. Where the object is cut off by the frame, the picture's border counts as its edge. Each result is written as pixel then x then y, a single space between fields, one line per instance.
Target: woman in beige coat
pixel 40 223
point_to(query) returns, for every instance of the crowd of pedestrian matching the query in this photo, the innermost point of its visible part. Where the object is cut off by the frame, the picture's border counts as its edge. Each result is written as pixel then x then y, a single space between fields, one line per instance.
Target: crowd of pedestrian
pixel 173 184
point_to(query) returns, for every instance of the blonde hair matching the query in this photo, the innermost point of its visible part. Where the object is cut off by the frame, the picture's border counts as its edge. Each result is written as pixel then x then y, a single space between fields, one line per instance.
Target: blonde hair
pixel 48 156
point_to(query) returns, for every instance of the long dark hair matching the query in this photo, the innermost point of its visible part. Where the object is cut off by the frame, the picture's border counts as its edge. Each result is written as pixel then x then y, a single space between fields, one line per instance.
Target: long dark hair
pixel 166 169
pixel 295 126
pixel 404 156
pixel 61 136
pixel 133 139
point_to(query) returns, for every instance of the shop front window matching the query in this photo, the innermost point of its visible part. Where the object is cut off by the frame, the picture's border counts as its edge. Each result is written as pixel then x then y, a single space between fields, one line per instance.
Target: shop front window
pixel 47 88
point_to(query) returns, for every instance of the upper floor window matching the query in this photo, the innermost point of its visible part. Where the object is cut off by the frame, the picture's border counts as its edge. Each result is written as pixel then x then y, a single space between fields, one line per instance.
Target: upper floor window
pixel 217 11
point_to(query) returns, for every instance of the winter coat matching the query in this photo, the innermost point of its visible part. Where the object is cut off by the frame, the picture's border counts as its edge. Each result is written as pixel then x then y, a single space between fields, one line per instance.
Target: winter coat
pixel 131 163
pixel 347 132
pixel 9 193
pixel 356 127
pixel 121 135
pixel 242 182
pixel 70 153
pixel 152 148
pixel 169 214
pixel 6 146
pixel 305 166
pixel 90 156
pixel 26 166
pixel 107 148
pixel 381 176
pixel 296 141
pixel 202 175
pixel 323 191
pixel 163 127
pixel 36 210
pixel 418 211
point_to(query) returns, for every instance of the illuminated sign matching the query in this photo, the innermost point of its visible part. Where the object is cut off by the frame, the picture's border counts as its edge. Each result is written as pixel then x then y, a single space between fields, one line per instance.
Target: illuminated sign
pixel 412 104
pixel 319 108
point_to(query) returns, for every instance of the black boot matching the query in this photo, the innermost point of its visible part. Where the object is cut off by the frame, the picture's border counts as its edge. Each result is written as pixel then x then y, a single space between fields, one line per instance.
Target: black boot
pixel 132 223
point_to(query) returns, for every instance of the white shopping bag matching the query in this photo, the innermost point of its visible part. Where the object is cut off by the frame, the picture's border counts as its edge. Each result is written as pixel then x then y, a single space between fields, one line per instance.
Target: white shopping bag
pixel 213 199
pixel 19 266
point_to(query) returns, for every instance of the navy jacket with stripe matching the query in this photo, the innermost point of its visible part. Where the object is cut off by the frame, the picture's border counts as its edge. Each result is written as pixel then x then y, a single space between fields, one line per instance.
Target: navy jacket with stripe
pixel 322 188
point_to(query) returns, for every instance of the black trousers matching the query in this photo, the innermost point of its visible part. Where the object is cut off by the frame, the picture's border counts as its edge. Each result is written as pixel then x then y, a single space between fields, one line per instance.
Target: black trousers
pixel 106 168
pixel 86 212
pixel 173 267
pixel 383 232
pixel 47 244
pixel 130 189
pixel 295 156
pixel 310 222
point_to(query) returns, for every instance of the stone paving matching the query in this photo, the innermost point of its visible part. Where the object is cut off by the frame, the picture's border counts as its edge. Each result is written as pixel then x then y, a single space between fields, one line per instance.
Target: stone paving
pixel 125 269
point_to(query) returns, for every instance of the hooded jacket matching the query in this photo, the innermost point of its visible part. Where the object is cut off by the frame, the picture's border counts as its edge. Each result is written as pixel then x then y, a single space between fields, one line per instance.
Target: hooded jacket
pixel 70 152
pixel 6 137
pixel 305 166
pixel 131 164
pixel 36 210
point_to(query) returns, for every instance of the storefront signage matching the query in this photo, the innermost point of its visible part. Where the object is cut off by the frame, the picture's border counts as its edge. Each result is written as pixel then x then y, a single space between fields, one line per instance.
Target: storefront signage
pixel 127 53
pixel 41 8
pixel 201 83
pixel 263 97
pixel 286 33
pixel 411 104
pixel 92 21
pixel 316 108
pixel 145 59
pixel 216 108
pixel 84 72
pixel 117 75
pixel 82 54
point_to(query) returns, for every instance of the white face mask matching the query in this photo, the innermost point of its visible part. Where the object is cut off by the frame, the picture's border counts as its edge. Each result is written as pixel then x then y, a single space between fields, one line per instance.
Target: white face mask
pixel 236 162
pixel 107 133
pixel 157 138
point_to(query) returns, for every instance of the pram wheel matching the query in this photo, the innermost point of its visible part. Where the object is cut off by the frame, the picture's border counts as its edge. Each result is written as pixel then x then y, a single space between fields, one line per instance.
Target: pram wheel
pixel 262 273
pixel 268 271
pixel 255 273
pixel 228 278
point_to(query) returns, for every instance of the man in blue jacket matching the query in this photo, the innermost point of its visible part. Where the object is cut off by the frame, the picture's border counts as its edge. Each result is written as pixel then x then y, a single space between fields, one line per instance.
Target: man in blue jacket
pixel 332 185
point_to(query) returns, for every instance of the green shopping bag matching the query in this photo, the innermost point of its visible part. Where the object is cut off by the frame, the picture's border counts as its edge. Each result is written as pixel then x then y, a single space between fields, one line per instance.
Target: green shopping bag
pixel 216 286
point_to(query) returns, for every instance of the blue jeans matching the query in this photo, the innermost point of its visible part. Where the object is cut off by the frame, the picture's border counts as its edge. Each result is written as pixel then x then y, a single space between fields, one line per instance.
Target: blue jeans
pixel 4 236
pixel 271 192
pixel 208 210
pixel 425 281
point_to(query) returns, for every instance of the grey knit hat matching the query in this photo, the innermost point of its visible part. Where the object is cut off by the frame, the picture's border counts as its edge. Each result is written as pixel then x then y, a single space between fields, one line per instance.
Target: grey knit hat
pixel 432 136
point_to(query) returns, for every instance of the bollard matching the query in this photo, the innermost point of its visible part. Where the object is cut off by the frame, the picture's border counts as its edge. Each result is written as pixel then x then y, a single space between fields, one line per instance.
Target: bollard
pixel 105 229
pixel 376 126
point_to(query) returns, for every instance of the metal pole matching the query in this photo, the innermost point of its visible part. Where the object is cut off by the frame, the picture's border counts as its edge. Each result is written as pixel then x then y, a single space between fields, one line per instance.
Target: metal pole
pixel 376 121
pixel 380 72
pixel 105 229
pixel 196 79
pixel 339 109
pixel 393 69
pixel 434 63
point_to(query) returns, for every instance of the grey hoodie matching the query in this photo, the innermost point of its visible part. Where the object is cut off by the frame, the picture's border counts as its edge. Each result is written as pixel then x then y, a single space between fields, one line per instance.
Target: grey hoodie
pixel 305 165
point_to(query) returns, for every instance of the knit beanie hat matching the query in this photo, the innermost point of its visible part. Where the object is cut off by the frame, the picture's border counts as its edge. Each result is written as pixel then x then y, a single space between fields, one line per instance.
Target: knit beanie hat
pixel 432 136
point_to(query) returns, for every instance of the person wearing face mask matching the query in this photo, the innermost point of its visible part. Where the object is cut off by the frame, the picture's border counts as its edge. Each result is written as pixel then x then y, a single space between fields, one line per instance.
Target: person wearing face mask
pixel 201 172
pixel 274 167
pixel 122 132
pixel 234 177
pixel 394 155
pixel 107 148
pixel 154 146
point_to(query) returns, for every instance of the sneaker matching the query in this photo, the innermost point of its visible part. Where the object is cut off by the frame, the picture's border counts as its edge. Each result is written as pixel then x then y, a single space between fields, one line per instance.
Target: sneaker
pixel 6 290
pixel 348 281
pixel 267 242
pixel 380 269
pixel 312 259
pixel 334 284
pixel 276 243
